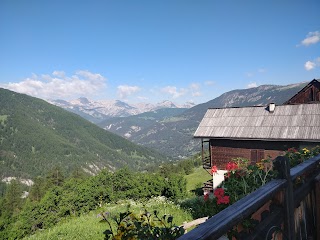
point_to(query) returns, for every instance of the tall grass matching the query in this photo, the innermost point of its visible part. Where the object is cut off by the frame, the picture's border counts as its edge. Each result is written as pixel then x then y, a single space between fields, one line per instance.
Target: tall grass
pixel 79 228
pixel 197 178
pixel 88 227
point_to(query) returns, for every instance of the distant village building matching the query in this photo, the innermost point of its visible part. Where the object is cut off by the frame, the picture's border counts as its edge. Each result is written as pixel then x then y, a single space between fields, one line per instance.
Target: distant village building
pixel 259 132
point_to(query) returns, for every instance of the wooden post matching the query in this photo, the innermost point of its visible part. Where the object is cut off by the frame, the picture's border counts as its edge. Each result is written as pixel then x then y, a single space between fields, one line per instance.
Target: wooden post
pixel 202 153
pixel 317 213
pixel 283 167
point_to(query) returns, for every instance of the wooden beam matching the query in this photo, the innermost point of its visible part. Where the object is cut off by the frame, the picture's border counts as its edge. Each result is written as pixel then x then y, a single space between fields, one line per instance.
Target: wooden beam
pixel 284 170
pixel 317 211
pixel 305 189
pixel 305 166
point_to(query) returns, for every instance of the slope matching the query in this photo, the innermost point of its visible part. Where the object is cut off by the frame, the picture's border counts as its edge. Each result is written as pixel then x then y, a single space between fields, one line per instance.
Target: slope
pixel 174 136
pixel 126 126
pixel 37 136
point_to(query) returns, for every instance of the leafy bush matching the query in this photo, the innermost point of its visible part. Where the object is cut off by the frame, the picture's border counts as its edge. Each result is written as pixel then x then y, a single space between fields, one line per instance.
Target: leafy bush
pixel 55 198
pixel 298 156
pixel 87 227
pixel 240 180
pixel 141 226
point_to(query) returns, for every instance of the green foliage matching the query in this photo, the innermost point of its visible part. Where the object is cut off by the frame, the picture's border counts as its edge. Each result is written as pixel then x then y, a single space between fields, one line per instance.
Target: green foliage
pixel 246 178
pixel 142 226
pixel 12 199
pixel 298 156
pixel 55 198
pixel 84 227
pixel 3 187
pixel 240 180
pixel 199 207
pixel 185 167
pixel 10 207
pixel 87 227
pixel 196 179
pixel 37 136
pixel 38 189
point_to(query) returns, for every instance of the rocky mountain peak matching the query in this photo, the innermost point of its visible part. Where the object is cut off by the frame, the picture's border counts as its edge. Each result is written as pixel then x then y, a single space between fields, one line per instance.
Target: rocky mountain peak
pixel 97 111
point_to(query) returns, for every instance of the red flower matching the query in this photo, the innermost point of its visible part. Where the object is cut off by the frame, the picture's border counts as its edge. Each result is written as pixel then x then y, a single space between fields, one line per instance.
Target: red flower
pixel 231 166
pixel 219 192
pixel 223 200
pixel 214 170
pixel 206 197
pixel 293 150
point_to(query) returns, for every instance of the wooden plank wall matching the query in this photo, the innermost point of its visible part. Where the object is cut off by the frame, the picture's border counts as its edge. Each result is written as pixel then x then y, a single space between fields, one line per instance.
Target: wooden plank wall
pixel 222 155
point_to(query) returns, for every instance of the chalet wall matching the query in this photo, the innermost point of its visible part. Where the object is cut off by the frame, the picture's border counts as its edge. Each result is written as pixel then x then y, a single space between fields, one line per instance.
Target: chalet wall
pixel 220 156
pixel 223 151
pixel 311 93
pixel 255 144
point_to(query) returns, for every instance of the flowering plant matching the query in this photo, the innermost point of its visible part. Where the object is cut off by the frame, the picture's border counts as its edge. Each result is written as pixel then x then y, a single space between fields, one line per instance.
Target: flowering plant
pixel 298 156
pixel 214 170
pixel 243 178
pixel 221 197
pixel 141 226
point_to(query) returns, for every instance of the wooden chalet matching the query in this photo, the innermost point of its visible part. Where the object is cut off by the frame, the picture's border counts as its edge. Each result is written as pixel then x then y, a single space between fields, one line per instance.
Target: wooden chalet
pixel 259 132
pixel 310 93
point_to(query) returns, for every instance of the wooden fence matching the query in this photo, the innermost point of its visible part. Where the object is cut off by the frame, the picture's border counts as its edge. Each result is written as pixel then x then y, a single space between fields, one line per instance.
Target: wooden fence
pixel 291 203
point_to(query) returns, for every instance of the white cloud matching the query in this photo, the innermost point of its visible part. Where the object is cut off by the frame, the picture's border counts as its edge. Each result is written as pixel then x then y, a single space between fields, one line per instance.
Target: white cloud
pixel 309 65
pixel 311 38
pixel 125 90
pixel 59 74
pixel 174 92
pixel 195 90
pixel 142 98
pixel 58 85
pixel 209 83
pixel 252 85
pixel 194 86
pixel 196 94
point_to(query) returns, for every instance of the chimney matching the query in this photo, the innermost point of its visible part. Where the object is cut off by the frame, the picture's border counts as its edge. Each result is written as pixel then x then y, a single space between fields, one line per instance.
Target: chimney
pixel 271 107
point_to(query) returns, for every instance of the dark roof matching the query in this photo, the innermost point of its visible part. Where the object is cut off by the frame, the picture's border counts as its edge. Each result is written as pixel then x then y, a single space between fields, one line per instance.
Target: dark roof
pixel 287 122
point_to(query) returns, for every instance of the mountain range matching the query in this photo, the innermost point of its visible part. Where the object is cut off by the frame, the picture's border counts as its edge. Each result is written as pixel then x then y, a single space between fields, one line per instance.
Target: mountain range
pixel 172 134
pixel 97 111
pixel 36 136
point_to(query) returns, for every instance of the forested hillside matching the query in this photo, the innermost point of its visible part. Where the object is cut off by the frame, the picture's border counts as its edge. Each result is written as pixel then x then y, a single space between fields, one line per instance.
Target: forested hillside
pixel 127 126
pixel 54 198
pixel 37 136
pixel 174 135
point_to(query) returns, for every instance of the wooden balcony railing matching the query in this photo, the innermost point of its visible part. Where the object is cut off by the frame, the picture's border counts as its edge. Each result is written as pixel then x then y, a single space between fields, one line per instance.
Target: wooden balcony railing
pixel 294 208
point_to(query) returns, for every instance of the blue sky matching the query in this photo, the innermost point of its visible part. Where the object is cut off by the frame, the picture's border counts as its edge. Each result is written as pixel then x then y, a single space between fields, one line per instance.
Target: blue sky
pixel 152 50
